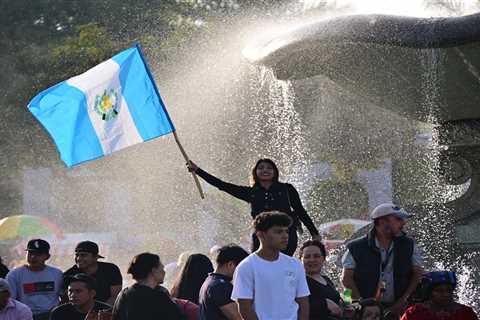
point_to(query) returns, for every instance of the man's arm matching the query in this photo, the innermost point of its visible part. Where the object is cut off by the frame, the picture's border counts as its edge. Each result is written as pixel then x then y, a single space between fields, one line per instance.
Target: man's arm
pixel 348 282
pixel 417 273
pixel 399 306
pixel 303 308
pixel 231 311
pixel 114 291
pixel 246 310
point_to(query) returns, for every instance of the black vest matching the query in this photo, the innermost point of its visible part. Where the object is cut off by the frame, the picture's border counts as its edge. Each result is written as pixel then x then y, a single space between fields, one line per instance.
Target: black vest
pixel 367 264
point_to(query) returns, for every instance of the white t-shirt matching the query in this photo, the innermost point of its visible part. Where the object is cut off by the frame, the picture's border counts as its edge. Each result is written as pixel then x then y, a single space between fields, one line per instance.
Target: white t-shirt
pixel 273 286
pixel 40 290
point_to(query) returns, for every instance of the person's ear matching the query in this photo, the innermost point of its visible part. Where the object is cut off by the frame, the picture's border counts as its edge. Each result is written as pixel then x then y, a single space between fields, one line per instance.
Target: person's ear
pixel 260 234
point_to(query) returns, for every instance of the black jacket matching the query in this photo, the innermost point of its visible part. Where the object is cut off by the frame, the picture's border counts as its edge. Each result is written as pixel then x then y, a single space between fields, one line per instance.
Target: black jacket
pixel 140 302
pixel 282 197
pixel 368 260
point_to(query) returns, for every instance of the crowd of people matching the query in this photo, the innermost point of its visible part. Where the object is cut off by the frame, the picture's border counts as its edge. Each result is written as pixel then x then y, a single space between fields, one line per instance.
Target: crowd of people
pixel 383 276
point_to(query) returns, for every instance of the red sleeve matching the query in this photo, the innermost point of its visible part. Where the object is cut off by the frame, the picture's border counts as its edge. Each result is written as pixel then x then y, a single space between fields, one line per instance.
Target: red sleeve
pixel 416 312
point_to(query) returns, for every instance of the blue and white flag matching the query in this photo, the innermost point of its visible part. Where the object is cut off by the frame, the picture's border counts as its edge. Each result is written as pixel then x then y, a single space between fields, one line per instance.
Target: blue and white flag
pixel 114 105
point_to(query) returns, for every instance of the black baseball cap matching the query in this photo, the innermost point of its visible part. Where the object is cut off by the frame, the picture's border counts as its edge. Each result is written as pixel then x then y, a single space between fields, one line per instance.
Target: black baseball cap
pixel 88 246
pixel 38 245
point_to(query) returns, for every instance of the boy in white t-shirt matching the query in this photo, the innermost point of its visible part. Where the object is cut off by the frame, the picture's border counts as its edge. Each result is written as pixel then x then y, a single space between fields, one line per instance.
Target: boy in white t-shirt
pixel 269 285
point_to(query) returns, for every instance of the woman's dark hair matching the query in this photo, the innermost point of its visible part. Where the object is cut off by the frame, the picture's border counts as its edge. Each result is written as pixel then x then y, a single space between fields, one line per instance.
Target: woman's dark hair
pixel 266 220
pixel 193 274
pixel 315 243
pixel 369 302
pixel 142 264
pixel 254 170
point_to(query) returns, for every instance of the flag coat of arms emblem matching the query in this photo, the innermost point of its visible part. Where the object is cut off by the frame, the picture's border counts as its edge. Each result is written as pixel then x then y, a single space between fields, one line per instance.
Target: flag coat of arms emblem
pixel 114 105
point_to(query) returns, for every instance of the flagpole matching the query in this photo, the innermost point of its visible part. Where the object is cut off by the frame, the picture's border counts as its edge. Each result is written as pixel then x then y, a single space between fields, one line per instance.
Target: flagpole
pixel 185 156
pixel 199 187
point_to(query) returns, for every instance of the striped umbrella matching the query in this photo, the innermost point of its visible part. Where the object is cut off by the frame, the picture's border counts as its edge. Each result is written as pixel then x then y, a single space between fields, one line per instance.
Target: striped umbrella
pixel 22 226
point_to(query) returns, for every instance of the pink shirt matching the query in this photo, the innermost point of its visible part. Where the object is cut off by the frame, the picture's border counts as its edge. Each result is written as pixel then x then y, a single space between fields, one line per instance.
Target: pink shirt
pixel 15 310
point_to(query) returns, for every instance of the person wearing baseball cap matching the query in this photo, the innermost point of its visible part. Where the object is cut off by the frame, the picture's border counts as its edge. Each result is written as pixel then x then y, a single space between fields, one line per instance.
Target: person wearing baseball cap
pixel 384 264
pixel 11 309
pixel 107 275
pixel 36 284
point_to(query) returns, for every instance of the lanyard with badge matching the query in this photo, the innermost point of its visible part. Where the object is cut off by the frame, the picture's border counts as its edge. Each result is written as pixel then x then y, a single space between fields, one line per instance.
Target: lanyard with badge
pixel 382 284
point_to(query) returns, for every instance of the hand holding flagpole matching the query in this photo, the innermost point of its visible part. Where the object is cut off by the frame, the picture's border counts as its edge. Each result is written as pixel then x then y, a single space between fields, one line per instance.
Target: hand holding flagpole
pixel 185 156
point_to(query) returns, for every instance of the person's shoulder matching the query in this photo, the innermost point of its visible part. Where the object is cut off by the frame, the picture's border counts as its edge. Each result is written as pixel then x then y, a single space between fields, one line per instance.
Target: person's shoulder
pixel 54 270
pixel 71 271
pixel 246 264
pixel 291 260
pixel 20 305
pixel 290 187
pixel 252 258
pixel 329 281
pixel 160 293
pixel 99 305
pixel 17 272
pixel 219 284
pixel 108 266
pixel 66 307
pixel 123 292
pixel 357 241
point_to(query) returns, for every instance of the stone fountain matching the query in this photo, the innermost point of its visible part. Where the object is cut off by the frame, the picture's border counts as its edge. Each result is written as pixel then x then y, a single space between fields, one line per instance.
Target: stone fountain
pixel 426 69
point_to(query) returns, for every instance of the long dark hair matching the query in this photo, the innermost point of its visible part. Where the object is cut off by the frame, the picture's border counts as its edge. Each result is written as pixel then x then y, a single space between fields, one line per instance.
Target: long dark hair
pixel 193 274
pixel 254 170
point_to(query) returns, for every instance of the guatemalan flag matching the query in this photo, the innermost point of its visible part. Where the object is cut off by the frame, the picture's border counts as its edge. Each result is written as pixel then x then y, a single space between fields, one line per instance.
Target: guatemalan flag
pixel 114 105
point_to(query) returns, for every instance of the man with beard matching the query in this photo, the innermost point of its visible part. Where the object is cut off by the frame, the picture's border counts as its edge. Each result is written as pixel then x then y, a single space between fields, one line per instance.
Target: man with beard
pixel 384 264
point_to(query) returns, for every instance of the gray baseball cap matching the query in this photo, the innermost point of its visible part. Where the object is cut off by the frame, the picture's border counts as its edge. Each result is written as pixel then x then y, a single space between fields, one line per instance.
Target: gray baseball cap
pixel 4 285
pixel 386 209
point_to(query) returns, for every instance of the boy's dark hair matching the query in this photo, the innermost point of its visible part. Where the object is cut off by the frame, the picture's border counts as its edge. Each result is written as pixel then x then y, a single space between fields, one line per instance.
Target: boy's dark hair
pixel 315 243
pixel 266 220
pixel 142 264
pixel 229 253
pixel 89 281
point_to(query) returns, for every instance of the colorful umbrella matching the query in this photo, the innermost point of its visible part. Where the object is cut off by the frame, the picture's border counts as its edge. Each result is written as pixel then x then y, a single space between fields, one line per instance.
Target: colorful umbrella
pixel 341 229
pixel 22 226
